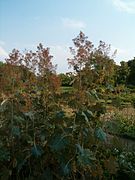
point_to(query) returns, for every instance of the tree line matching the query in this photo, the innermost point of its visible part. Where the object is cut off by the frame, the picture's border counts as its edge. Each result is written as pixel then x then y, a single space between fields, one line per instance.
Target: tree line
pixel 91 66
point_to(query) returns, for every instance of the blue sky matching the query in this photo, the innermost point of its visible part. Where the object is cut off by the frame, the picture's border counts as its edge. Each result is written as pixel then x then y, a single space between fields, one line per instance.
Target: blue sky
pixel 26 23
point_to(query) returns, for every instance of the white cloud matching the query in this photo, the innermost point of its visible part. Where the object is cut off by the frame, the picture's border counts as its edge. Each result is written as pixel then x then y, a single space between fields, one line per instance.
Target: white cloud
pixel 72 23
pixel 3 53
pixel 123 54
pixel 125 5
pixel 2 43
pixel 60 54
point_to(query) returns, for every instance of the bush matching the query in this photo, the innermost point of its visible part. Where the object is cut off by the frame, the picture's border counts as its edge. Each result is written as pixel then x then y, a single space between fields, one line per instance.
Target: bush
pixel 121 125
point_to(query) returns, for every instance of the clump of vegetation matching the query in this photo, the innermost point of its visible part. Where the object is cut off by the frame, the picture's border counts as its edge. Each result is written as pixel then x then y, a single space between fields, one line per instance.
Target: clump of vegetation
pixel 49 134
pixel 122 123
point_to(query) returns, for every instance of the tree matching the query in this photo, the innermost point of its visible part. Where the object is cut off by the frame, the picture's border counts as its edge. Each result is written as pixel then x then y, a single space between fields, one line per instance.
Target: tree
pixel 1 63
pixel 102 64
pixel 81 53
pixel 122 73
pixel 30 73
pixel 94 66
pixel 66 79
pixel 131 77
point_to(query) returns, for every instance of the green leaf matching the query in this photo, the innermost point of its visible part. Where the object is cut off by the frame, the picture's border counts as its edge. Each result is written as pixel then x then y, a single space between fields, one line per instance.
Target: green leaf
pixel 86 158
pixel 90 113
pixel 66 169
pixel 85 117
pixel 79 148
pixel 58 142
pixel 93 94
pixel 100 134
pixel 60 114
pixel 16 131
pixel 4 154
pixel 29 114
pixel 37 151
pixel 3 105
pixel 19 119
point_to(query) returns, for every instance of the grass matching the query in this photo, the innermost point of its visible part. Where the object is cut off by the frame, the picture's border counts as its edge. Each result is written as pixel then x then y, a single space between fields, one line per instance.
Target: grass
pixel 120 122
pixel 66 89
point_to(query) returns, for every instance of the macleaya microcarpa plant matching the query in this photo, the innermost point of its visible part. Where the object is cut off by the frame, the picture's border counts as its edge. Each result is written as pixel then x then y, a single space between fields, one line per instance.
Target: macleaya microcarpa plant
pixel 37 138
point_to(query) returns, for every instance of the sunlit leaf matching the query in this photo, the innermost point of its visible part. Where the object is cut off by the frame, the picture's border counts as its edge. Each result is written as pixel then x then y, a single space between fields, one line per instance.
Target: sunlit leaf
pixel 90 113
pixel 85 116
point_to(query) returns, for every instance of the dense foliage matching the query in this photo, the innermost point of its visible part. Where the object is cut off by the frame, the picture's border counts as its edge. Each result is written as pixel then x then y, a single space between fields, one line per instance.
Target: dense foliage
pixel 49 134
